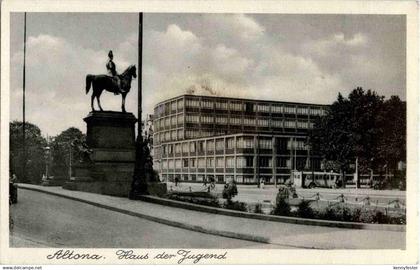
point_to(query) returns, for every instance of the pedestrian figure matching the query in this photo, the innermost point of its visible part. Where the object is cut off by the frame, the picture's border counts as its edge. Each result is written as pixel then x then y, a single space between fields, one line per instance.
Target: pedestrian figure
pixel 176 181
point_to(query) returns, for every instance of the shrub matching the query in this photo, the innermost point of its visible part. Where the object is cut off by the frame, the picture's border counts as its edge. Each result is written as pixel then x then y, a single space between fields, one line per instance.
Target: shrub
pixel 282 208
pixel 211 201
pixel 238 206
pixel 258 208
pixel 338 212
pixel 229 191
pixel 380 217
pixel 305 210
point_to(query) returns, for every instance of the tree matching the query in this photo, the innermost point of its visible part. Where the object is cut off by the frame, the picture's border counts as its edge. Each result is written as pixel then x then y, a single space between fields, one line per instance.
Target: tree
pixel 392 141
pixel 60 148
pixel 35 160
pixel 350 130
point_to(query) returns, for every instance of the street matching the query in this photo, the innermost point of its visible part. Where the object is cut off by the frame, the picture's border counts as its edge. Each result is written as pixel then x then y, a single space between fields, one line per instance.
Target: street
pixel 42 220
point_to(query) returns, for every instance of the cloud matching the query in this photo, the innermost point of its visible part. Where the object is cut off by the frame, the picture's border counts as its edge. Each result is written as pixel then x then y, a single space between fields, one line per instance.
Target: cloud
pixel 233 55
pixel 55 82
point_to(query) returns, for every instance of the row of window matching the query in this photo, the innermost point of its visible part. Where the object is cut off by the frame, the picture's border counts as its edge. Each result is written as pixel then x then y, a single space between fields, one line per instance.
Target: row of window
pixel 229 144
pixel 251 107
pixel 172 121
pixel 169 107
pixel 229 162
pixel 178 105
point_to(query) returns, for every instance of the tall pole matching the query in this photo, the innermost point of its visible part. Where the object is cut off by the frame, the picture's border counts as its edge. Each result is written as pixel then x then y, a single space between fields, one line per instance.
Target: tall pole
pixel 140 60
pixel 139 185
pixel 23 106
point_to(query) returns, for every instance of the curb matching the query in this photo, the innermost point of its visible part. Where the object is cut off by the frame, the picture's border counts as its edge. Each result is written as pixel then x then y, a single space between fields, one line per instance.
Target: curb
pixel 241 236
pixel 301 221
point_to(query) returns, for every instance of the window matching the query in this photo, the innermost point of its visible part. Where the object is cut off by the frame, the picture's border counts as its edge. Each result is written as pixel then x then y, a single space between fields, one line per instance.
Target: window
pixel 190 134
pixel 221 120
pixel 219 162
pixel 210 162
pixel 290 109
pixel 245 142
pixel 249 161
pixel 178 148
pixel 277 123
pixel 167 122
pixel 180 134
pixel 219 145
pixel 207 119
pixel 265 162
pixel 207 104
pixel 192 147
pixel 185 161
pixel 249 121
pixel 235 121
pixel 302 124
pixel 173 135
pixel 180 104
pixel 180 119
pixel 265 143
pixel 210 145
pixel 263 108
pixel 289 124
pixel 192 163
pixel 281 162
pixel 249 107
pixel 230 143
pixel 230 162
pixel 185 148
pixel 262 122
pixel 164 164
pixel 303 110
pixel 221 105
pixel 192 118
pixel 170 149
pixel 200 146
pixel 178 164
pixel 296 144
pixel 277 108
pixel 201 163
pixel 173 105
pixel 193 103
pixel 171 164
pixel 236 106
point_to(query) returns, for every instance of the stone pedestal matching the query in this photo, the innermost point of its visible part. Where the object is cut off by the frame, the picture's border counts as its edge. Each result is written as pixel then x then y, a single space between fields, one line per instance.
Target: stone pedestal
pixel 111 137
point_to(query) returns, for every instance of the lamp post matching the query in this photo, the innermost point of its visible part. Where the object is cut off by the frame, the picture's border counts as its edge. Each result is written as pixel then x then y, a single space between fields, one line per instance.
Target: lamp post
pixel 47 155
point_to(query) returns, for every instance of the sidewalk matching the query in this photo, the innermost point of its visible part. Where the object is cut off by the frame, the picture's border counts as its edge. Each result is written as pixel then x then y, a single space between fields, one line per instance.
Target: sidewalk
pixel 284 234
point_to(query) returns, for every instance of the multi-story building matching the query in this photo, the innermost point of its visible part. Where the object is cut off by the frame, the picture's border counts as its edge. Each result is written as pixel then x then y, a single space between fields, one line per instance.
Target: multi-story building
pixel 198 137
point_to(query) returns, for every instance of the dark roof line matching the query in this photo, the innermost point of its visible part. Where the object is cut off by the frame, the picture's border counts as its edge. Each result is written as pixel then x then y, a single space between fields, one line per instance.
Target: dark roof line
pixel 242 99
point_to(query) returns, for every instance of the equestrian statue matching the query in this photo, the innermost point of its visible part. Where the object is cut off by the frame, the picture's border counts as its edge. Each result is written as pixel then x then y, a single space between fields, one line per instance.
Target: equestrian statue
pixel 112 82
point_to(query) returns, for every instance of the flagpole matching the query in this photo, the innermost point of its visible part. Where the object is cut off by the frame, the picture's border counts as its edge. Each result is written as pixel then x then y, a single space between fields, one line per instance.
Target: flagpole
pixel 24 101
pixel 140 59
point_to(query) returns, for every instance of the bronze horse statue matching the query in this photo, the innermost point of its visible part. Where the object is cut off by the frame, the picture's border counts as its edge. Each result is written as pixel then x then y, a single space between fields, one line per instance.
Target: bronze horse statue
pixel 104 82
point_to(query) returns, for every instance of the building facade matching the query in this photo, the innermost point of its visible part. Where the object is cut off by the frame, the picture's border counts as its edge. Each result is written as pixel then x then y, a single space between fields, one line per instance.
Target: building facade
pixel 202 137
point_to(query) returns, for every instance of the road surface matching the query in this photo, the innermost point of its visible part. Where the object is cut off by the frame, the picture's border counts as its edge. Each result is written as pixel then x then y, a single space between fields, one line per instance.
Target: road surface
pixel 42 220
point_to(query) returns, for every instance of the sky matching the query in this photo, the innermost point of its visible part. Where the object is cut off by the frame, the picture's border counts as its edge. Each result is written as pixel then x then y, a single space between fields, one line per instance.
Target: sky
pixel 299 58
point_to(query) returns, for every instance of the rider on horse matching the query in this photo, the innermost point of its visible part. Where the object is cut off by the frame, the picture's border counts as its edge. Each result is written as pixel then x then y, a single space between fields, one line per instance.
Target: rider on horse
pixel 110 66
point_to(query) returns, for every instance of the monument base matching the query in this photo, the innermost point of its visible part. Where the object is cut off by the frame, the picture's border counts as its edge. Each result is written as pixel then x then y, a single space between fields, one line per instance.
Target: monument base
pixel 110 135
pixel 157 189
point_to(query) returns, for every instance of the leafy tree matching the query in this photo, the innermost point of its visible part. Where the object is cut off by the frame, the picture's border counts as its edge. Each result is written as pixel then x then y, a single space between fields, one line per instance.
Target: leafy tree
pixel 60 149
pixel 35 160
pixel 362 126
pixel 392 141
